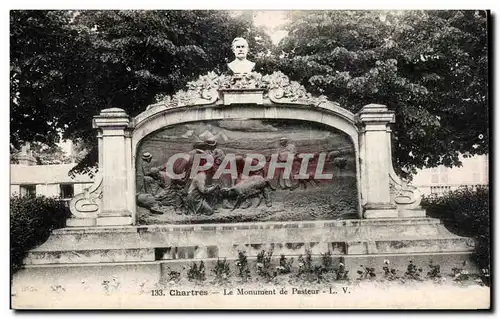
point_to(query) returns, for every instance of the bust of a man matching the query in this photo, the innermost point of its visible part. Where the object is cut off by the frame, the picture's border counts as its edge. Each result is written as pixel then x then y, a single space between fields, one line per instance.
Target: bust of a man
pixel 240 65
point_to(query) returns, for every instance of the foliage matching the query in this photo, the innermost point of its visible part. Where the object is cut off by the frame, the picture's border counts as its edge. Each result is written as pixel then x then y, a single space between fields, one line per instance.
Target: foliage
pixel 485 276
pixel 285 266
pixel 467 212
pixel 80 150
pixel 342 273
pixel 31 221
pixel 59 288
pixel 41 44
pixel 465 205
pixel 459 274
pixel 412 272
pixel 48 155
pixel 264 265
pixel 14 153
pixel 366 273
pixel 221 271
pixel 389 273
pixel 435 271
pixel 243 268
pixel 52 154
pixel 68 65
pixel 327 261
pixel 174 276
pixel 197 273
pixel 305 264
pixel 308 271
pixel 430 67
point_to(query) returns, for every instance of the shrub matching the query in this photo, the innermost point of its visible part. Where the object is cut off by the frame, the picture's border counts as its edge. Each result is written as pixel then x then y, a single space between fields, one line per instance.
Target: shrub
pixel 412 272
pixel 31 221
pixel 221 271
pixel 307 271
pixel 264 265
pixel 435 271
pixel 389 273
pixel 342 273
pixel 174 276
pixel 305 264
pixel 285 266
pixel 197 273
pixel 327 261
pixel 243 268
pixel 366 273
pixel 459 273
pixel 467 213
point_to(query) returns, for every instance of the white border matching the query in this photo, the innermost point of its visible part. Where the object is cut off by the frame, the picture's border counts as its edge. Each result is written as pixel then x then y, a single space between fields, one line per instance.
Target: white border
pixel 190 4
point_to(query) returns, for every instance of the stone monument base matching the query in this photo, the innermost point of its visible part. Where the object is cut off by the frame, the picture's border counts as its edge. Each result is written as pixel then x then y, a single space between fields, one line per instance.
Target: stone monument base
pixel 147 251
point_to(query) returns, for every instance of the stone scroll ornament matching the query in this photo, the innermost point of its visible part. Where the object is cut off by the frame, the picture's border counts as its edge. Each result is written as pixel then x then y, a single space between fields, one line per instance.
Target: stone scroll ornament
pixel 405 196
pixel 282 90
pixel 207 88
pixel 87 204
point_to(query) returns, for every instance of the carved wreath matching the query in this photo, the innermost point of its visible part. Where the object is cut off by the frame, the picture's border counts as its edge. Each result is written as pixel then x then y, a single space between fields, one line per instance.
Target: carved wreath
pixel 205 89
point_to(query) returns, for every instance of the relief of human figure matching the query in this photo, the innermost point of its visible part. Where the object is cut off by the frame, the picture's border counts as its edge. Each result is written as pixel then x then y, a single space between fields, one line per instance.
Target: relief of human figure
pixel 184 166
pixel 285 150
pixel 201 199
pixel 153 186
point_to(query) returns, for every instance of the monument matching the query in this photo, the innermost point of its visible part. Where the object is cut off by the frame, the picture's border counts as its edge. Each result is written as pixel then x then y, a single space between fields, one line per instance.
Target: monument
pixel 243 161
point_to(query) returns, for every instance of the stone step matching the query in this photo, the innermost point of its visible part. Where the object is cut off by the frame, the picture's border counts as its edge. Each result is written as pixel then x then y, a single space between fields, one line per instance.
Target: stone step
pixel 259 233
pixel 65 256
pixel 35 257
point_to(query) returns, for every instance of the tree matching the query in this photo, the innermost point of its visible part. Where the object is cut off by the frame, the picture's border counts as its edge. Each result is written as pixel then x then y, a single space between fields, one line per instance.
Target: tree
pixel 68 65
pixel 430 67
pixel 44 154
pixel 49 155
pixel 39 46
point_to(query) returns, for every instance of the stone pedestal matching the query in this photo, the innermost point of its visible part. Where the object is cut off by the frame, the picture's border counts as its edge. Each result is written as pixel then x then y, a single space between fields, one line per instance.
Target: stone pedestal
pixel 376 161
pixel 115 165
pixel 357 241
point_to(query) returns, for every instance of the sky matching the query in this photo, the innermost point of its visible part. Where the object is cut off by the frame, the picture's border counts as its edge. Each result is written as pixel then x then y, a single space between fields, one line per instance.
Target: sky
pixel 272 22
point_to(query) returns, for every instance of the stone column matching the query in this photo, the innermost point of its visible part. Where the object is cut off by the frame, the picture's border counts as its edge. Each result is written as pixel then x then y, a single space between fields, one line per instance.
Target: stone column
pixel 114 166
pixel 99 148
pixel 375 161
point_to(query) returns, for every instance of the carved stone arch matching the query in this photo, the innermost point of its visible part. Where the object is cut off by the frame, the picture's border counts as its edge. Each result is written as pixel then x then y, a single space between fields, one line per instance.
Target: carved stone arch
pixel 341 120
pixel 246 96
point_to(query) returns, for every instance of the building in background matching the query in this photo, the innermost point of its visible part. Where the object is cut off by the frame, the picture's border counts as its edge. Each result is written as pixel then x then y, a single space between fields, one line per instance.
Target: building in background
pixel 46 180
pixel 29 179
pixel 439 180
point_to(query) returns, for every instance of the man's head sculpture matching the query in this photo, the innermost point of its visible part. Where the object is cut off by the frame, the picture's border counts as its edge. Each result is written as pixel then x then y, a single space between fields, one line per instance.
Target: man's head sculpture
pixel 283 141
pixel 147 157
pixel 240 48
pixel 240 65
